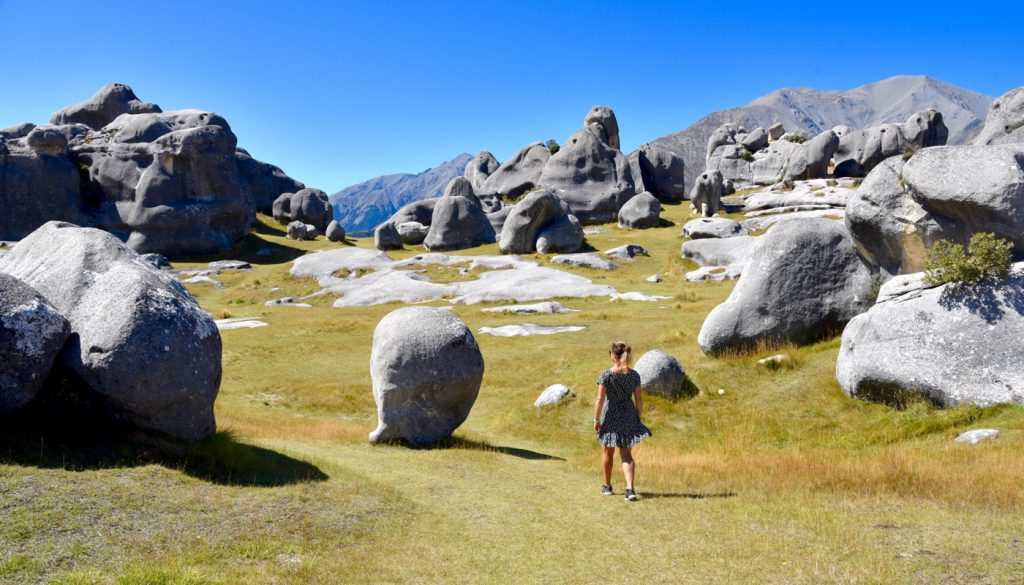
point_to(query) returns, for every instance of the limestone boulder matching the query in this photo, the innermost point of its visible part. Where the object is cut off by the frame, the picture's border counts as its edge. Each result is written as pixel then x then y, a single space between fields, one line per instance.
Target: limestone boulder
pixel 37 187
pixel 706 196
pixel 101 109
pixel 16 131
pixel 642 211
pixel 661 374
pixel 520 173
pixel 1005 121
pixel 658 171
pixel 712 227
pixel 553 395
pixel 310 206
pixel 479 169
pixel 604 119
pixel 803 282
pixel 526 219
pixel 265 182
pixel 139 340
pixel 412 233
pixel 951 344
pixel 302 231
pixel 32 333
pixel 724 135
pixel 755 140
pixel 562 236
pixel 335 232
pixel 386 237
pixel 458 221
pixel 426 369
pixel 592 177
pixel 861 150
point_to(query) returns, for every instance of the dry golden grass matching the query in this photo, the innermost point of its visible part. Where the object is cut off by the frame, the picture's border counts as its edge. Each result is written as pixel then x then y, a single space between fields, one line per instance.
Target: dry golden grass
pixel 780 479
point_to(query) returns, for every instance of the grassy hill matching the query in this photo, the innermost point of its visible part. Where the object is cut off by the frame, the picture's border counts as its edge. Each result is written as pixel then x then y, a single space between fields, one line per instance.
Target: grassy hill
pixel 778 479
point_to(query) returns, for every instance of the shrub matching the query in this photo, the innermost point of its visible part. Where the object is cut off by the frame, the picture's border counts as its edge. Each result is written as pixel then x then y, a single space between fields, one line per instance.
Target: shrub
pixel 909 153
pixel 797 138
pixel 552 146
pixel 986 257
pixel 746 155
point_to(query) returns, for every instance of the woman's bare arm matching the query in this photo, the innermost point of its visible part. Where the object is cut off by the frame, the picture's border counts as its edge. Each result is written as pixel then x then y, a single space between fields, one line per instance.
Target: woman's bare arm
pixel 599 406
pixel 638 397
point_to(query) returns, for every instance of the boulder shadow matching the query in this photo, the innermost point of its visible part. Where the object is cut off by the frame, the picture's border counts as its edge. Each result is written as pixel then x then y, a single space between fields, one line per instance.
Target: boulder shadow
pixel 988 300
pixel 463 443
pixel 220 459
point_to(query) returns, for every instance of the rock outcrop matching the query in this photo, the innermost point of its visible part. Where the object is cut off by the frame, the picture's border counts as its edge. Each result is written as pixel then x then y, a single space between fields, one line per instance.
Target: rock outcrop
pixel 139 340
pixel 803 282
pixel 1005 121
pixel 706 197
pixel 951 344
pixel 564 235
pixel 641 212
pixel 307 205
pixel 480 168
pixel 591 176
pixel 861 150
pixel 603 118
pixel 518 174
pixel 658 171
pixel 32 333
pixel 458 221
pixel 527 219
pixel 426 370
pixel 713 227
pixel 101 109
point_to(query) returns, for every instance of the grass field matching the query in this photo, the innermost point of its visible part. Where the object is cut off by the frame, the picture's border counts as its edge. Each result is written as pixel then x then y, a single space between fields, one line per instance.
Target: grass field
pixel 778 479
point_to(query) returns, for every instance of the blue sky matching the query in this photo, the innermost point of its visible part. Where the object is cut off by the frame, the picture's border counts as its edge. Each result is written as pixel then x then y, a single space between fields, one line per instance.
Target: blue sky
pixel 339 92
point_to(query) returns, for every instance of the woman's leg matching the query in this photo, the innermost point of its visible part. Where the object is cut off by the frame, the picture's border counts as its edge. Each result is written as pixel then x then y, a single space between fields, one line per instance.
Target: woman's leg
pixel 607 456
pixel 628 466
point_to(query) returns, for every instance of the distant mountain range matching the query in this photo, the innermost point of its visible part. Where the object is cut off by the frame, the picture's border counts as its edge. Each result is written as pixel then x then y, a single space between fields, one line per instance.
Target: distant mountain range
pixel 361 207
pixel 814 111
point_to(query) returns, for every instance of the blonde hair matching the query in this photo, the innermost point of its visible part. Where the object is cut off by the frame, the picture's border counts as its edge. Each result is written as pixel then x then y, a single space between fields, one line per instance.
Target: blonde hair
pixel 621 351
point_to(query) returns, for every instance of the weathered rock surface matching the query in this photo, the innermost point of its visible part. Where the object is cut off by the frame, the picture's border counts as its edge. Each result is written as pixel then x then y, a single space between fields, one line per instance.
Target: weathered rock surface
pixel 975 436
pixel 139 339
pixel 264 181
pixel 720 251
pixel 562 236
pixel 386 237
pixel 861 150
pixel 642 211
pixel 545 308
pixel 307 206
pixel 953 344
pixel 626 252
pixel 590 176
pixel 32 333
pixel 706 196
pixel 803 282
pixel 302 231
pixel 661 374
pixel 527 329
pixel 658 171
pixel 336 233
pixel 585 260
pixel 480 168
pixel 458 221
pixel 412 233
pixel 101 109
pixel 526 219
pixel 520 173
pixel 552 395
pixel 426 370
pixel 712 227
pixel 1005 121
pixel 604 118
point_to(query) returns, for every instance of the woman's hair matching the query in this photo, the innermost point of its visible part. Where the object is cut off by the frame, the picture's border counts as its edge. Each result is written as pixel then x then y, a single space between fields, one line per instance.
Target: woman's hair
pixel 621 351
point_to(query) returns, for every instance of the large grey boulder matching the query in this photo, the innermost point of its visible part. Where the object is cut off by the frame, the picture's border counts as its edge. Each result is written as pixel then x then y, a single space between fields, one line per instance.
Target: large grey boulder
pixel 658 171
pixel 712 227
pixel 386 237
pixel 458 221
pixel 562 236
pixel 604 119
pixel 264 181
pixel 981 188
pixel 101 109
pixel 755 140
pixel 706 196
pixel 412 232
pixel 307 206
pixel 421 211
pixel 803 282
pixel 141 128
pixel 37 186
pixel 1005 121
pixel 526 219
pixel 642 211
pixel 139 340
pixel 861 150
pixel 498 217
pixel 302 231
pixel 661 374
pixel 890 228
pixel 720 251
pixel 520 173
pixel 592 177
pixel 32 333
pixel 784 159
pixel 335 233
pixel 951 344
pixel 426 370
pixel 16 131
pixel 480 168
pixel 724 135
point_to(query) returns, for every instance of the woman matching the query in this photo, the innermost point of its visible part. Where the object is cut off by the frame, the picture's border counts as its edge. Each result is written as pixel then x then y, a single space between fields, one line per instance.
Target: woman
pixel 616 419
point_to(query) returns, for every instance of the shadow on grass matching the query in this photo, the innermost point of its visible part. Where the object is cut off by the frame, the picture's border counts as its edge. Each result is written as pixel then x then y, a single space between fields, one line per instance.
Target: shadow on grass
pixel 687 495
pixel 461 443
pixel 220 459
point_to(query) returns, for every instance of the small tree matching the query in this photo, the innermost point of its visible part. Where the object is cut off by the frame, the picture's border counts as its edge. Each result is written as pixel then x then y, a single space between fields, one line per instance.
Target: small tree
pixel 552 145
pixel 986 257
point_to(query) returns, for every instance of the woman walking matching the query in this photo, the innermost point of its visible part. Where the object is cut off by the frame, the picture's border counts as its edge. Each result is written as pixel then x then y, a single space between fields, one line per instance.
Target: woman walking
pixel 617 419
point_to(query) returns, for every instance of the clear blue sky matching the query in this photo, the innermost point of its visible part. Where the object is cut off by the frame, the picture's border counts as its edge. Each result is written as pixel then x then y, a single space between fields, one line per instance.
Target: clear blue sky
pixel 338 92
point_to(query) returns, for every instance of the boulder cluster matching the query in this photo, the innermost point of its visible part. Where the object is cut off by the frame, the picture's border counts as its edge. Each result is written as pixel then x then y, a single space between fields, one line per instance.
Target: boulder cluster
pixel 173 183
pixel 547 197
pixel 810 279
pixel 91 326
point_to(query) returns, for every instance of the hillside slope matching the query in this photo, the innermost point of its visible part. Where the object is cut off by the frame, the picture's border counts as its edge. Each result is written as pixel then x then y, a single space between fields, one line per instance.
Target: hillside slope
pixel 813 111
pixel 362 206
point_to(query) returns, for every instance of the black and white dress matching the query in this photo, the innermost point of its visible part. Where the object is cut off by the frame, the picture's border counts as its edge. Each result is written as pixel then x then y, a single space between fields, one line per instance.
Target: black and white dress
pixel 620 422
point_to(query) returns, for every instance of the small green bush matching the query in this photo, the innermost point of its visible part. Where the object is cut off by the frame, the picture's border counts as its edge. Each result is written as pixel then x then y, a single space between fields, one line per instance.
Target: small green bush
pixel 986 257
pixel 746 155
pixel 909 153
pixel 552 146
pixel 797 138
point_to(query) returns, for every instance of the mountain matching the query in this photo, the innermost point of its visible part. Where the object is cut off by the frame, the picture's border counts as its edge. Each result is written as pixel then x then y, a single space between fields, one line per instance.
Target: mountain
pixel 814 111
pixel 361 207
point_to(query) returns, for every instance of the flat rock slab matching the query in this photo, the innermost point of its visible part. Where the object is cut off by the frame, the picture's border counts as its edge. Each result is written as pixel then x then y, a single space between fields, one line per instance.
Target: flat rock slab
pixel 546 308
pixel 719 251
pixel 239 323
pixel 637 296
pixel 552 395
pixel 230 265
pixel 764 221
pixel 326 263
pixel 976 436
pixel 585 260
pixel 712 227
pixel 715 273
pixel 627 252
pixel 287 302
pixel 528 329
pixel 813 192
pixel 203 279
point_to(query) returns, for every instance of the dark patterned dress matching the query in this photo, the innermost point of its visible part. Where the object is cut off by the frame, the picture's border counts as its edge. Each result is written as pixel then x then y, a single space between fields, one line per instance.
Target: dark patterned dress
pixel 620 422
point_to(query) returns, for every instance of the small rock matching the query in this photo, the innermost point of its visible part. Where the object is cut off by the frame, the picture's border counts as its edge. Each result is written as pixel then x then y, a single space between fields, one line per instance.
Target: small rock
pixel 637 296
pixel 239 323
pixel 203 279
pixel 230 265
pixel 585 260
pixel 552 395
pixel 335 232
pixel 527 329
pixel 286 302
pixel 976 436
pixel 158 260
pixel 776 361
pixel 627 252
pixel 547 308
pixel 721 391
pixel 653 278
